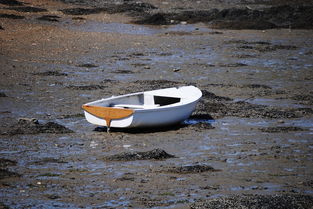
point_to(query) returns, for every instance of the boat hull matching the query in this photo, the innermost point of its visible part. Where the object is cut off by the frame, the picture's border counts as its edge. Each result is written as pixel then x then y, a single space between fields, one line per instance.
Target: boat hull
pixel 149 117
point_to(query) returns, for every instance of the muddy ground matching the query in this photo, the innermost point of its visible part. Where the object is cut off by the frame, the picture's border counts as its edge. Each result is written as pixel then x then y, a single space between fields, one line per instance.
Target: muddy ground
pixel 249 143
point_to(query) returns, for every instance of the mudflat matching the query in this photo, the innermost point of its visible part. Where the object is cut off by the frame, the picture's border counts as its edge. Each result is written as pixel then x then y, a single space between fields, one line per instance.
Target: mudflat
pixel 249 143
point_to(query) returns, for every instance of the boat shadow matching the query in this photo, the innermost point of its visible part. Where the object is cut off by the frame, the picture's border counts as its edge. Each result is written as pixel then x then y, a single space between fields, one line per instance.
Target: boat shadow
pixel 143 130
pixel 198 121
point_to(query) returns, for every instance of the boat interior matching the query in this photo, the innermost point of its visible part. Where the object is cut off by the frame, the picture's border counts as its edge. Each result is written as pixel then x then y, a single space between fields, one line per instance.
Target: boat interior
pixel 141 101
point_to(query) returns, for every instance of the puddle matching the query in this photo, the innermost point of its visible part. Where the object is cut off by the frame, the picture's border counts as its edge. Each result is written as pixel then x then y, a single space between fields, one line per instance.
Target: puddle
pixel 298 141
pixel 28 202
pixel 121 202
pixel 265 186
pixel 196 121
pixel 132 29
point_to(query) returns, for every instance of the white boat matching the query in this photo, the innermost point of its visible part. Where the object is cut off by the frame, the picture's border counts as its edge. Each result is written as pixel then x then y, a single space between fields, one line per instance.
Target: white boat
pixel 144 109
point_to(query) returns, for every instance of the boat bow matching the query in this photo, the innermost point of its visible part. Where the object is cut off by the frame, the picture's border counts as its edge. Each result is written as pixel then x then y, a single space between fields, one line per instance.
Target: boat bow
pixel 108 113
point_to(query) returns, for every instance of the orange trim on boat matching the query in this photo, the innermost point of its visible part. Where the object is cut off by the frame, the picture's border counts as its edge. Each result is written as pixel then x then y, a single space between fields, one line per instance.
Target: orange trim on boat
pixel 108 113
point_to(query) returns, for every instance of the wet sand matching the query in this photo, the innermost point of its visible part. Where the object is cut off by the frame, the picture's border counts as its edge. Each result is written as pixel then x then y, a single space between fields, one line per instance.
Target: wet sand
pixel 249 142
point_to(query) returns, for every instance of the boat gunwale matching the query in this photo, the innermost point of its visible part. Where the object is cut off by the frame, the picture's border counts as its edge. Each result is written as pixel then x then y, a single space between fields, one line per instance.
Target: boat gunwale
pixel 164 107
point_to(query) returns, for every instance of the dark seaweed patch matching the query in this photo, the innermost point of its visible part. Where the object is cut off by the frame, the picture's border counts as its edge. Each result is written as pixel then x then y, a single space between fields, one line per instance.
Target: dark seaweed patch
pixel 146 85
pixel 238 18
pixel 11 16
pixel 32 126
pixel 238 64
pixel 244 56
pixel 78 18
pixel 82 11
pixel 248 42
pixel 123 72
pixel 129 7
pixel 78 115
pixel 155 19
pixel 156 154
pixel 133 8
pixel 88 65
pixel 247 110
pixel 281 129
pixel 257 86
pixel 215 33
pixel 285 201
pixel 11 2
pixel 53 196
pixel 51 73
pixel 28 9
pixel 50 18
pixel 305 99
pixel 87 87
pixel 242 24
pixel 191 169
pixel 213 97
pixel 201 126
pixel 47 160
pixel 2 94
pixel 268 48
pixel 4 173
pixel 6 162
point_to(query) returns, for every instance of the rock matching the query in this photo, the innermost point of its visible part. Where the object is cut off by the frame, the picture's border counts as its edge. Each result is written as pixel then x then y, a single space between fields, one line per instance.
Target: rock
pixel 28 120
pixel 155 154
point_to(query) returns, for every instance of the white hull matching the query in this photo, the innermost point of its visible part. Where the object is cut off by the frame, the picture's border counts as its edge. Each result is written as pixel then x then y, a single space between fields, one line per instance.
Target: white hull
pixel 147 111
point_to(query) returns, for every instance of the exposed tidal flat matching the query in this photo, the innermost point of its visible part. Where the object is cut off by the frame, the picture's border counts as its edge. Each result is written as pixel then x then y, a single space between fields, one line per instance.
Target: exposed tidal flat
pixel 249 143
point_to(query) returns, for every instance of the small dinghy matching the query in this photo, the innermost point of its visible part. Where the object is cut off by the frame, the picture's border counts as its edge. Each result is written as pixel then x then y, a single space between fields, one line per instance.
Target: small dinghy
pixel 144 109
